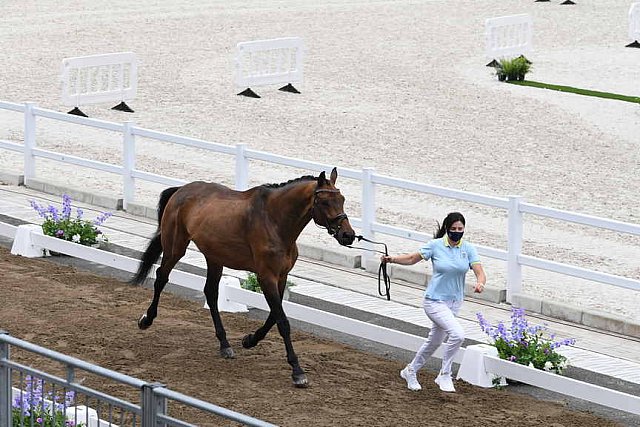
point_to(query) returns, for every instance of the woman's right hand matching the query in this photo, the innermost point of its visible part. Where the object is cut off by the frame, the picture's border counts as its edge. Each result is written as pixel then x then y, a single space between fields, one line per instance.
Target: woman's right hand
pixel 386 259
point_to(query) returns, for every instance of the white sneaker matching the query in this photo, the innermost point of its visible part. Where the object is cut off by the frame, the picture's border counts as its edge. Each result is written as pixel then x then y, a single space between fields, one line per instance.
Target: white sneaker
pixel 445 383
pixel 410 375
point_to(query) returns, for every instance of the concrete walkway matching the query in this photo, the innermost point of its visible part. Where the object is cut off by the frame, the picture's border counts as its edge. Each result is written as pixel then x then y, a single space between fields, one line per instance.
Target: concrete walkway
pixel 612 360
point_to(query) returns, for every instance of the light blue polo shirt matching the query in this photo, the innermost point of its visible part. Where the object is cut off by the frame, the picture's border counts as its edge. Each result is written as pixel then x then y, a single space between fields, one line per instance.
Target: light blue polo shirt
pixel 450 266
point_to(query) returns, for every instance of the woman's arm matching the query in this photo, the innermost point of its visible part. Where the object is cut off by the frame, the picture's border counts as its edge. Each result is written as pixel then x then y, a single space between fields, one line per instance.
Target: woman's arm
pixel 481 278
pixel 404 259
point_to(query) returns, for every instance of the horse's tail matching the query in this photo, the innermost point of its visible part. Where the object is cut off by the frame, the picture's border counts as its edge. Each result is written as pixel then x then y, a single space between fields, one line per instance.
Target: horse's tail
pixel 154 250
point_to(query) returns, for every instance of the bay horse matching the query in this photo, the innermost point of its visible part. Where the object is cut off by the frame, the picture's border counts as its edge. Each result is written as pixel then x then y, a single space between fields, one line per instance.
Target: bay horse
pixel 253 230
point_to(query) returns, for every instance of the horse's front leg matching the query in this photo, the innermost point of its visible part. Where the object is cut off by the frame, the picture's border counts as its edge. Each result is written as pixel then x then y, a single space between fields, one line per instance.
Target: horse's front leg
pixel 211 291
pixel 274 298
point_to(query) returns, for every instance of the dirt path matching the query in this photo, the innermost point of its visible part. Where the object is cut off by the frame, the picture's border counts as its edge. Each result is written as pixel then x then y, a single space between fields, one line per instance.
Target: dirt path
pixel 94 318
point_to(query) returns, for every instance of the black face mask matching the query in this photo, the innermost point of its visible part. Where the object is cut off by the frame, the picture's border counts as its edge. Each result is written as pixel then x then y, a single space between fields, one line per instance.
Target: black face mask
pixel 455 236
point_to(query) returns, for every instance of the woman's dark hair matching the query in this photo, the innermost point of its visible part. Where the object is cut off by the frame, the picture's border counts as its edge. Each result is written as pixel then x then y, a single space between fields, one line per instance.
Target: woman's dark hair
pixel 447 223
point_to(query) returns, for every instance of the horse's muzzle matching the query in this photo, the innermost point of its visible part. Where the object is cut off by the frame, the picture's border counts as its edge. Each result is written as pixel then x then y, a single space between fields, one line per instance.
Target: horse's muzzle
pixel 345 237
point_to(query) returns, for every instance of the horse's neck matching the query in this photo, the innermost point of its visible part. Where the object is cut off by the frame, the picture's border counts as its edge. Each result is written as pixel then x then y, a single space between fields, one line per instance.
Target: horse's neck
pixel 290 208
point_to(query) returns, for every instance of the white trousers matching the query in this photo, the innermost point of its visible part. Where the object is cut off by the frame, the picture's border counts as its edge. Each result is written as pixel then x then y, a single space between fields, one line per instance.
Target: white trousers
pixel 445 327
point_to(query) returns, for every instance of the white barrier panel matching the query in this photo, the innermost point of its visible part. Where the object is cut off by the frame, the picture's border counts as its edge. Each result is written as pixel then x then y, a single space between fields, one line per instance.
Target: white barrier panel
pixel 634 22
pixel 508 36
pixel 265 62
pixel 99 78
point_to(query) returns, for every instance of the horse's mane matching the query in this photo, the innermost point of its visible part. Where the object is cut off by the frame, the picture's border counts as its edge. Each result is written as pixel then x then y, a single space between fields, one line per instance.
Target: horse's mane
pixel 291 181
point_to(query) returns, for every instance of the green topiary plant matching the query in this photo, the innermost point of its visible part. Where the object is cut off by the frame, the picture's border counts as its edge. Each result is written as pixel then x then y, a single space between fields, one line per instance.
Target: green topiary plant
pixel 513 69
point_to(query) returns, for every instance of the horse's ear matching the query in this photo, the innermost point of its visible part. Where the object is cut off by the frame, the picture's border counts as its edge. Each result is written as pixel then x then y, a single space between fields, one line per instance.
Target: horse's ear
pixel 334 176
pixel 322 178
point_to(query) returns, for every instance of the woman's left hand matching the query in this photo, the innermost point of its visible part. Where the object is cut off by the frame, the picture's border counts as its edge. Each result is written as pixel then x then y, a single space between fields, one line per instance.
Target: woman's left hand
pixel 479 288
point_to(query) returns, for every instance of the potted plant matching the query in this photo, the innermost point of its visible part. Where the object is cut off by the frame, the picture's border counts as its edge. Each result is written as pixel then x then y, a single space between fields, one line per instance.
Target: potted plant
pixel 513 69
pixel 251 284
pixel 62 225
pixel 524 344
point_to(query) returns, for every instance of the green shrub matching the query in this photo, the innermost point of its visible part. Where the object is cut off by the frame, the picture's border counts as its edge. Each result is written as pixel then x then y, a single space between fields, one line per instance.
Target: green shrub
pixel 513 69
pixel 251 283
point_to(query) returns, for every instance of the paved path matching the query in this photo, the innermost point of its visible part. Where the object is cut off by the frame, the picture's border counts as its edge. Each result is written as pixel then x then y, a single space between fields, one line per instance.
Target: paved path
pixel 602 353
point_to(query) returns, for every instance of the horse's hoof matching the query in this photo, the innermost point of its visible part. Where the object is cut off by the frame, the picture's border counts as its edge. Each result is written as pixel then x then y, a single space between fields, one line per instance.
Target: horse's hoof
pixel 247 341
pixel 227 353
pixel 300 380
pixel 143 323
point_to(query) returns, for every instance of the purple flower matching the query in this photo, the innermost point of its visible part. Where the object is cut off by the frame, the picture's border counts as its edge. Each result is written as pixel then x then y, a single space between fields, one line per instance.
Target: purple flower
pixel 53 212
pixel 66 206
pixel 43 212
pixel 102 218
pixel 80 212
pixel 60 233
pixel 512 358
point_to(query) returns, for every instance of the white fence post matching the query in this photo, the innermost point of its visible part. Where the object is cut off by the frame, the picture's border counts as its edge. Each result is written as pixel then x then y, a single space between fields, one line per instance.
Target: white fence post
pixel 129 164
pixel 368 211
pixel 242 168
pixel 29 141
pixel 514 248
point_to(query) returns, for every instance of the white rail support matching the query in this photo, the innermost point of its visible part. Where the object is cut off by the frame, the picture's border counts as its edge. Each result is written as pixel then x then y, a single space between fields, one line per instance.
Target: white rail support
pixel 265 62
pixel 508 36
pixel 242 167
pixel 23 243
pixel 128 164
pixel 634 22
pixel 514 248
pixel 473 370
pixel 29 141
pixel 99 78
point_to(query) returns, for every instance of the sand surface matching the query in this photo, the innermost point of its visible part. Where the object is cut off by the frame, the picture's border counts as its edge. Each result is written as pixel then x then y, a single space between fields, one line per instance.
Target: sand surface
pixel 348 387
pixel 399 86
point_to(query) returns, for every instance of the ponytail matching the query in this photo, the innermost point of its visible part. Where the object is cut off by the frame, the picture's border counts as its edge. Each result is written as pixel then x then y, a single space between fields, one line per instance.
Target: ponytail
pixel 447 223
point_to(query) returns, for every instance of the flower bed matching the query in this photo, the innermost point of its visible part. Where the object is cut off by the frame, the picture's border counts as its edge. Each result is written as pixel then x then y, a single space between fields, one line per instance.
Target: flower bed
pixel 524 344
pixel 62 225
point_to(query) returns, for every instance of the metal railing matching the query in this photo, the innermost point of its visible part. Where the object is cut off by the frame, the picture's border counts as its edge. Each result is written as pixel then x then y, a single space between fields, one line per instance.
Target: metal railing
pixel 42 392
pixel 515 206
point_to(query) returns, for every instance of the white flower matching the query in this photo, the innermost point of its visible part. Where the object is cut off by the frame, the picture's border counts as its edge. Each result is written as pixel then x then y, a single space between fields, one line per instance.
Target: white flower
pixel 76 238
pixel 548 366
pixel 101 238
pixel 531 365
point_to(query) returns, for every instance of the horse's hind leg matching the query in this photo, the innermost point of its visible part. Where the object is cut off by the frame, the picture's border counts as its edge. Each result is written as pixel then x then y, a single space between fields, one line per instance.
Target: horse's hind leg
pixel 211 289
pixel 169 260
pixel 252 340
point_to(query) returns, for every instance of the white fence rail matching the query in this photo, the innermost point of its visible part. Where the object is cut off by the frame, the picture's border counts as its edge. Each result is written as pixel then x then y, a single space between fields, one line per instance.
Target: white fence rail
pixel 492 365
pixel 265 62
pixel 634 22
pixel 99 78
pixel 369 181
pixel 508 36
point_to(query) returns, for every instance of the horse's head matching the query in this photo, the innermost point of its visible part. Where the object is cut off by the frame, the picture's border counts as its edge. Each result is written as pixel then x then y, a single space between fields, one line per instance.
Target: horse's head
pixel 328 209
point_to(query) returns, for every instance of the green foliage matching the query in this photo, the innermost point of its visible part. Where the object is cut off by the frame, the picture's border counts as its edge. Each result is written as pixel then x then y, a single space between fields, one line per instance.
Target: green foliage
pixel 586 92
pixel 251 283
pixel 513 69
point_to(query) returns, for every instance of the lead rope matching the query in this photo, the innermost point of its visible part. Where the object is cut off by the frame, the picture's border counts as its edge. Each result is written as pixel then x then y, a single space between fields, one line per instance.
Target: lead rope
pixel 382 270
